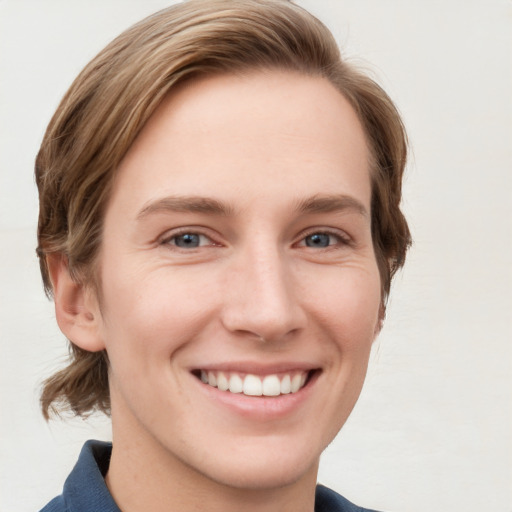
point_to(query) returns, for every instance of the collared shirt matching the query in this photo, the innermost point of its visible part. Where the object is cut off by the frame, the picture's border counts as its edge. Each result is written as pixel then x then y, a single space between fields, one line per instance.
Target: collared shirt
pixel 85 489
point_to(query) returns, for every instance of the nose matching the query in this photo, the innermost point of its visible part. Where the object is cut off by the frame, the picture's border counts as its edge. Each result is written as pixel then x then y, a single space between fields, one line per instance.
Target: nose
pixel 261 296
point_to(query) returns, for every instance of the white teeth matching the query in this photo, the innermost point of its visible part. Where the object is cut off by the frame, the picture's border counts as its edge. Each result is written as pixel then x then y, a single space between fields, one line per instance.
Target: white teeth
pixel 222 382
pixel 296 383
pixel 271 385
pixel 252 385
pixel 235 384
pixel 286 385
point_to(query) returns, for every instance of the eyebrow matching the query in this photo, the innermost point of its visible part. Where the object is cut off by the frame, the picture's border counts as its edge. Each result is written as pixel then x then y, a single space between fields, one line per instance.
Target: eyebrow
pixel 332 203
pixel 208 205
pixel 185 204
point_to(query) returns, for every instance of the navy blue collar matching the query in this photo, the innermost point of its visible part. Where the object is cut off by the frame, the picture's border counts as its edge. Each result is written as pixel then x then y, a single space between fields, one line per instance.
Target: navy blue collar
pixel 85 489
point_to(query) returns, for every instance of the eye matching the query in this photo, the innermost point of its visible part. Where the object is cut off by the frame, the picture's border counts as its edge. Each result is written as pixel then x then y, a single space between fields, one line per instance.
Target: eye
pixel 323 240
pixel 189 240
pixel 318 240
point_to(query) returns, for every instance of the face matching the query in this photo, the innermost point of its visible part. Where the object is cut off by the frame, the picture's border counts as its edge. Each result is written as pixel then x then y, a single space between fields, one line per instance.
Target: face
pixel 240 290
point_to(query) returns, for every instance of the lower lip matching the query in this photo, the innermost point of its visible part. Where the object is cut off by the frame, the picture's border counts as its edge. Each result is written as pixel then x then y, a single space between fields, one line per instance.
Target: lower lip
pixel 261 408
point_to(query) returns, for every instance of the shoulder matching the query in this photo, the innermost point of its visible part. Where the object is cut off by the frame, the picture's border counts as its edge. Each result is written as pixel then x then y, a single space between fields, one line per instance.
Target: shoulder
pixel 56 505
pixel 326 500
pixel 85 488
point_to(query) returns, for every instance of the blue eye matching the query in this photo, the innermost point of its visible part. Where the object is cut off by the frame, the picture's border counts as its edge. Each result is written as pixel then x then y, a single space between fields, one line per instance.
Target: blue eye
pixel 318 240
pixel 187 240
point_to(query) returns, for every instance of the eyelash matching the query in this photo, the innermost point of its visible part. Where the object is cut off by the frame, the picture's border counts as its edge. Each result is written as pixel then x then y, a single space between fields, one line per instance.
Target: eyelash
pixel 168 240
pixel 341 239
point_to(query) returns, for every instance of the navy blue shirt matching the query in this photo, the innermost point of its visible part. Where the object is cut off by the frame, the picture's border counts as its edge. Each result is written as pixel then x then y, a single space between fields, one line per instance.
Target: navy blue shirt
pixel 85 489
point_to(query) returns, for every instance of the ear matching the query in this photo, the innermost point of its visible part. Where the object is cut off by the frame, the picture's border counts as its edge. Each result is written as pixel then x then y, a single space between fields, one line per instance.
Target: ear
pixel 76 306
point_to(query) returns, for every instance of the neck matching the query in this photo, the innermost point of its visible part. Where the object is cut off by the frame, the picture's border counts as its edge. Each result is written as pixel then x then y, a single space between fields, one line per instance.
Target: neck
pixel 143 475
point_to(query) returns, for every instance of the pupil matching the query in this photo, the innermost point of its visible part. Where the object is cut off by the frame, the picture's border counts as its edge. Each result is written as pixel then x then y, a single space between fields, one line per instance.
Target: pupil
pixel 187 240
pixel 318 240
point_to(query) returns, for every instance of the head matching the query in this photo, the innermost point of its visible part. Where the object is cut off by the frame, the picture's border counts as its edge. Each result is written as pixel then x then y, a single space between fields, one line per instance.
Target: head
pixel 114 97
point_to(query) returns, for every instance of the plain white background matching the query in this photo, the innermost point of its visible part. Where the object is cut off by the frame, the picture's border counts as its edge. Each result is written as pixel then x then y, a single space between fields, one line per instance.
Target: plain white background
pixel 432 430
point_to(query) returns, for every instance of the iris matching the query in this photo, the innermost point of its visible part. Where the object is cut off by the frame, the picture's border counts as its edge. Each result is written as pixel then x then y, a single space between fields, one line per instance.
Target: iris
pixel 318 240
pixel 187 240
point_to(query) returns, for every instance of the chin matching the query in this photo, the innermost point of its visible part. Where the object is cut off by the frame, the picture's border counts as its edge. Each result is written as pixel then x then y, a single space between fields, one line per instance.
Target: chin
pixel 262 467
pixel 264 474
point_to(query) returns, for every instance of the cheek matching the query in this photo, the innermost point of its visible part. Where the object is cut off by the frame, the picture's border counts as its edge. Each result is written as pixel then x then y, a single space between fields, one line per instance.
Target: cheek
pixel 152 314
pixel 348 304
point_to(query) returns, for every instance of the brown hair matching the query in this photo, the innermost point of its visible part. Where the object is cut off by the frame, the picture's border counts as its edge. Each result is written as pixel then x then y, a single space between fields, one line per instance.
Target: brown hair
pixel 111 99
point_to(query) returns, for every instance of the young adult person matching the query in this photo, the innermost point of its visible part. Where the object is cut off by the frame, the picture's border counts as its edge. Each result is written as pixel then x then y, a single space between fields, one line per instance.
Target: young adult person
pixel 219 226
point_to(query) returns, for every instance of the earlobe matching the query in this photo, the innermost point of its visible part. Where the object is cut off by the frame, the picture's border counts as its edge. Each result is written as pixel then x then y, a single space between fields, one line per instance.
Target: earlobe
pixel 76 306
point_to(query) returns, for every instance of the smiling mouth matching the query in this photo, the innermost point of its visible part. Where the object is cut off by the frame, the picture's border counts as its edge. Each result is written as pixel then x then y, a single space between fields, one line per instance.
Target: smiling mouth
pixel 254 385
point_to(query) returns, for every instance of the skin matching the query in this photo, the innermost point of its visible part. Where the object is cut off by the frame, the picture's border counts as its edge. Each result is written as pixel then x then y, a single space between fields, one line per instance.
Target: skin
pixel 255 164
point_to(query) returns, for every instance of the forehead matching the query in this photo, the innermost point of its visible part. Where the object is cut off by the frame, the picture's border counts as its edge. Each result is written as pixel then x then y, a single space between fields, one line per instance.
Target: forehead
pixel 282 131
